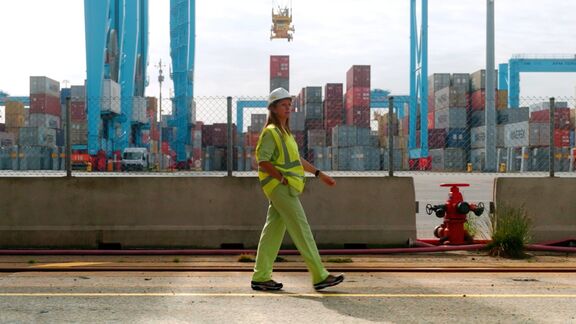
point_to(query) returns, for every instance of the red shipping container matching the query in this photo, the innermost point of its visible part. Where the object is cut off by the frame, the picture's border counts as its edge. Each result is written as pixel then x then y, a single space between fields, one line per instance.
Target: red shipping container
pixel 359 117
pixel 561 138
pixel 334 91
pixel 561 117
pixel 45 104
pixel 478 100
pixel 251 139
pixel 145 138
pixel 431 103
pixel 437 138
pixel 431 117
pixel 165 148
pixel 217 135
pixel 314 124
pixel 279 66
pixel 358 76
pixel 299 137
pixel 331 123
pixel 357 97
pixel 78 111
pixel 333 109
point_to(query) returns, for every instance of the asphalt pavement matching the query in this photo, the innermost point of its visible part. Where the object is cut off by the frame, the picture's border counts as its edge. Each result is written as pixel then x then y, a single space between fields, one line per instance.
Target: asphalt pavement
pixel 182 297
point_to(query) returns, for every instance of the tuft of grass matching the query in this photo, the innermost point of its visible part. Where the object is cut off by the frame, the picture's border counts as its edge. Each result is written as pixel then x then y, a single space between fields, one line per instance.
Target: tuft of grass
pixel 31 261
pixel 510 232
pixel 280 259
pixel 246 258
pixel 176 260
pixel 471 226
pixel 339 260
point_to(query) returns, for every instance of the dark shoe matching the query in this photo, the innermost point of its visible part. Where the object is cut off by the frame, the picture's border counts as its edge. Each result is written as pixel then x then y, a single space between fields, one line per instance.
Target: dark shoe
pixel 269 285
pixel 329 282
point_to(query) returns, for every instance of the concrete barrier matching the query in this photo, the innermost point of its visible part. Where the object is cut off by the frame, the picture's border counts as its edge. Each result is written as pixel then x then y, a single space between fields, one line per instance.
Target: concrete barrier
pixel 549 202
pixel 189 212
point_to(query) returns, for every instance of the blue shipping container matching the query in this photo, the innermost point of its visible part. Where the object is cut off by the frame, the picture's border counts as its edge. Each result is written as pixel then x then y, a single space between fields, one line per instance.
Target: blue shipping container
pixel 365 158
pixel 572 139
pixel 322 158
pixel 341 158
pixel 344 136
pixel 363 137
pixel 313 94
pixel 458 138
pixel 64 93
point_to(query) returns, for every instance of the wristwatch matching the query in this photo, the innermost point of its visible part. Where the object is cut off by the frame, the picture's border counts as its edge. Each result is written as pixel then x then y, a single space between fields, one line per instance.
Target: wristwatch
pixel 317 173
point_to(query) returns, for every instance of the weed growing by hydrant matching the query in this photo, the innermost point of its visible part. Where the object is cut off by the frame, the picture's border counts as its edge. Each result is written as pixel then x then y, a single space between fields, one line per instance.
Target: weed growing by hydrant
pixel 246 258
pixel 340 260
pixel 510 232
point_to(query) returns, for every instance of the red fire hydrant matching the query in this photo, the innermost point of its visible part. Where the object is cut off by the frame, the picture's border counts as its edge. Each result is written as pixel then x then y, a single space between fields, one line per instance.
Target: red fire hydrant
pixel 454 213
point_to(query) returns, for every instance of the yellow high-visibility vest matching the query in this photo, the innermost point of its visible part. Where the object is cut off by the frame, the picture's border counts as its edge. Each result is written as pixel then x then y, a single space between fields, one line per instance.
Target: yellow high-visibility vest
pixel 288 162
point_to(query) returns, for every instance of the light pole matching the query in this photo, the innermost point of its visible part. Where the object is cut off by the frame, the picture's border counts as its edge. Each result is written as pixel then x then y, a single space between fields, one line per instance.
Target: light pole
pixel 490 109
pixel 160 80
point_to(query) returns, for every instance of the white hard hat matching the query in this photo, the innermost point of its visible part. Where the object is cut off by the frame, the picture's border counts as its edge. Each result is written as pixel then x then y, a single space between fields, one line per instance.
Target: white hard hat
pixel 278 94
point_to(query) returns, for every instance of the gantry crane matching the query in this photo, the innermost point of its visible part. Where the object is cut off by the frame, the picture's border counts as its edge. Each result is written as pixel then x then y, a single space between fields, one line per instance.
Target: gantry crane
pixel 282 27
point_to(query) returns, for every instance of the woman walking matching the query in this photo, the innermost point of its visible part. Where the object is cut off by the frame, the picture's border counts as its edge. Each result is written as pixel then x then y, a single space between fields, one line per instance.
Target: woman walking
pixel 281 174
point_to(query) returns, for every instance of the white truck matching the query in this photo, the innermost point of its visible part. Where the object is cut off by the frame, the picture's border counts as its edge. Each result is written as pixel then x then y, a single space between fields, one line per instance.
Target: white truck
pixel 135 159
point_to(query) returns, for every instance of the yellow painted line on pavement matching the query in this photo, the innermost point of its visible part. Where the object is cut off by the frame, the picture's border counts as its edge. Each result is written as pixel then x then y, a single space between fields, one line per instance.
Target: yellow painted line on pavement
pixel 68 264
pixel 318 295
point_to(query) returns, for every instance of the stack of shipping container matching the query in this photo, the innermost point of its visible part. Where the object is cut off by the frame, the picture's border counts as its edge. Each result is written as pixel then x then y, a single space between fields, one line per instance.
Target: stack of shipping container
pixel 78 116
pixel 152 136
pixel 357 104
pixel 399 141
pixel 315 133
pixel 215 143
pixel 15 118
pixel 477 119
pixel 279 72
pixel 449 137
pixel 333 108
pixel 38 142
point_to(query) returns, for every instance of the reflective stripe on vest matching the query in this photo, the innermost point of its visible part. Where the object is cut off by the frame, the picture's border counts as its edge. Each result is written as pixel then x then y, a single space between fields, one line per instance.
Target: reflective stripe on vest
pixel 288 163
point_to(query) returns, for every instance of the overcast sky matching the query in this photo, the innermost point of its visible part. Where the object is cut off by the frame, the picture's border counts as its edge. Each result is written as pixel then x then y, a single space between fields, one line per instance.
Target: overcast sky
pixel 42 37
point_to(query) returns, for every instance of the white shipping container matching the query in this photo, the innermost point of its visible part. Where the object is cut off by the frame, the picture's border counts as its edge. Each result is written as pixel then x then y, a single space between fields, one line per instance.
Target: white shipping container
pixel 517 134
pixel 448 159
pixel 451 97
pixel 110 97
pixel 478 137
pixel 77 93
pixel 546 105
pixel 139 110
pixel 478 80
pixel 451 118
pixel 44 85
pixel 44 120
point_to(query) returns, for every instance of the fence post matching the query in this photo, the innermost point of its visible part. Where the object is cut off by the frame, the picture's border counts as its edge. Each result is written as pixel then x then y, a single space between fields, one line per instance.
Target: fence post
pixel 552 150
pixel 230 143
pixel 68 154
pixel 390 137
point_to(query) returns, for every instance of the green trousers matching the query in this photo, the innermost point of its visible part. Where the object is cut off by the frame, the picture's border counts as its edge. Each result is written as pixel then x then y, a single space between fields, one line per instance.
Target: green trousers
pixel 286 213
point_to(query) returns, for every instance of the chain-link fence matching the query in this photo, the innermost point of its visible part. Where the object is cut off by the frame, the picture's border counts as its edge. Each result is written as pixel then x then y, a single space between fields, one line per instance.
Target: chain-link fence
pixel 343 131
